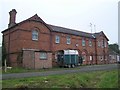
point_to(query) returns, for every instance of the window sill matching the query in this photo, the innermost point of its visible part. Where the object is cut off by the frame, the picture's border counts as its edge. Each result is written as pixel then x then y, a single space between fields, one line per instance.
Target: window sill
pixel 34 40
pixel 57 43
pixel 43 59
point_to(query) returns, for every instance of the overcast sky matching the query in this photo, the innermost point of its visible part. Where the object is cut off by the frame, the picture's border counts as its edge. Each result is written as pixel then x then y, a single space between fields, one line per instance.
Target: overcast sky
pixel 74 14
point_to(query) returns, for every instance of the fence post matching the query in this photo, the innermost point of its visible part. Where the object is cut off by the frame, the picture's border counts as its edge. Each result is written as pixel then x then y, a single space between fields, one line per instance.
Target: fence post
pixel 5 66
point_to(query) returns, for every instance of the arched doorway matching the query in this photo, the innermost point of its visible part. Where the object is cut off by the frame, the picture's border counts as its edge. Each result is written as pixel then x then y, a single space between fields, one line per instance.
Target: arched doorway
pixel 84 56
pixel 80 60
pixel 67 58
pixel 58 56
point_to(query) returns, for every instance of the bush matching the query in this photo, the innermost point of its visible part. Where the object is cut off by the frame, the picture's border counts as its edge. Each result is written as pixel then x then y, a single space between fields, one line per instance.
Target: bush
pixel 22 86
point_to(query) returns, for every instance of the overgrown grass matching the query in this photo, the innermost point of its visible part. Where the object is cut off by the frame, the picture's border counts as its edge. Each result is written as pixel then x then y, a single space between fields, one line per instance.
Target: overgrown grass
pixel 0 71
pixel 98 79
pixel 15 70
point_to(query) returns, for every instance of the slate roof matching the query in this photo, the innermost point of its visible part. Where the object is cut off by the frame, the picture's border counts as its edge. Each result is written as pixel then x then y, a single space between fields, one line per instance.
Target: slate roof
pixel 71 31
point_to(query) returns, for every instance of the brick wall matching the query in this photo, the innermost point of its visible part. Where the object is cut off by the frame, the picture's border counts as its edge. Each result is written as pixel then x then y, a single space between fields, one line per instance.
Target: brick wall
pixel 102 52
pixel 26 41
pixel 31 60
pixel 21 37
pixel 90 50
pixel 40 63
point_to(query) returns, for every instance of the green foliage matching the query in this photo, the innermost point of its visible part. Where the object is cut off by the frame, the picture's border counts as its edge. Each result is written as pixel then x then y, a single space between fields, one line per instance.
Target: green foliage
pixel 0 56
pixel 109 80
pixel 114 47
pixel 98 79
pixel 3 52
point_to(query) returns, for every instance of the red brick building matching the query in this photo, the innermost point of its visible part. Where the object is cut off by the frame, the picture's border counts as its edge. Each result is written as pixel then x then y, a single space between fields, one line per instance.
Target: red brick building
pixel 33 38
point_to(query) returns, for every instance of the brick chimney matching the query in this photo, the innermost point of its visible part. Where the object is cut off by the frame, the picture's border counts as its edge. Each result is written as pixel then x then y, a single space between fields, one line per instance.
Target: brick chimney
pixel 12 18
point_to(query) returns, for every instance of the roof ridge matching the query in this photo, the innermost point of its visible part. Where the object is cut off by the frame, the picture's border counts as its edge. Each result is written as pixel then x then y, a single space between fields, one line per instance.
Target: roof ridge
pixel 69 28
pixel 71 31
pixel 35 17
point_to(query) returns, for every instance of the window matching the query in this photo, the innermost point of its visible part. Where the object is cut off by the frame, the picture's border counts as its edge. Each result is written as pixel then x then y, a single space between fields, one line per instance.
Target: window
pixel 98 43
pixel 102 58
pixel 68 40
pixel 113 56
pixel 84 57
pixel 110 57
pixel 90 43
pixel 102 44
pixel 43 55
pixel 83 42
pixel 105 44
pixel 57 39
pixel 34 35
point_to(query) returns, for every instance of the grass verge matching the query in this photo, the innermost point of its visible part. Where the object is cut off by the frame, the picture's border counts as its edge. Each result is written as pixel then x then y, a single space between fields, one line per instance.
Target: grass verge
pixel 23 70
pixel 97 79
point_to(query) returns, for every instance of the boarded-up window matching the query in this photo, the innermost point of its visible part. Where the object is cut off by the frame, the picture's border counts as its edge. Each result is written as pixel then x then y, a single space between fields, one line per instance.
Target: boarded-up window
pixel 43 55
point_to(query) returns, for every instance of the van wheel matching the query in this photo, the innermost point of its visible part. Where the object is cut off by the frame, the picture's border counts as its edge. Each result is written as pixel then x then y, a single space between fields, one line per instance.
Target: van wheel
pixel 69 66
pixel 73 65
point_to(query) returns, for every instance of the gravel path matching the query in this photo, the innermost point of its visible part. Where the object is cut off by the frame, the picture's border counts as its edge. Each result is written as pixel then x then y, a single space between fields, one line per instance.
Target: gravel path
pixel 46 73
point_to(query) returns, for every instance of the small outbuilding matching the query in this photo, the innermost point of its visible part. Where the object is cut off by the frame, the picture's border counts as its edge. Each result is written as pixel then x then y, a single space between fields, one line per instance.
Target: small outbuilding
pixel 36 59
pixel 113 57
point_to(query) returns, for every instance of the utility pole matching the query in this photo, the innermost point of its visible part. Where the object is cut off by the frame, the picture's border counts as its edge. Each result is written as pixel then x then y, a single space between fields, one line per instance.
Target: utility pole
pixel 95 28
pixel 91 27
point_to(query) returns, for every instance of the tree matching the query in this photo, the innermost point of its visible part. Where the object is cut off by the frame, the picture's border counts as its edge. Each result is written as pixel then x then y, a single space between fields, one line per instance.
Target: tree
pixel 114 47
pixel 0 56
pixel 3 52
